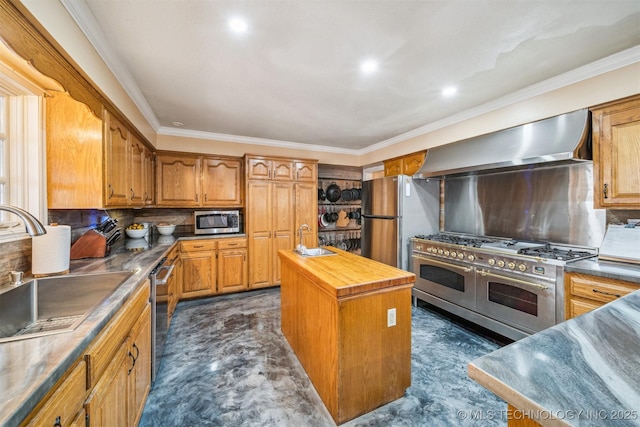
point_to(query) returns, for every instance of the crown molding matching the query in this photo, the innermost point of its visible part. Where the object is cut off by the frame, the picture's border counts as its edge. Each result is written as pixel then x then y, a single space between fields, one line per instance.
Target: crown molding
pixel 84 18
pixel 238 139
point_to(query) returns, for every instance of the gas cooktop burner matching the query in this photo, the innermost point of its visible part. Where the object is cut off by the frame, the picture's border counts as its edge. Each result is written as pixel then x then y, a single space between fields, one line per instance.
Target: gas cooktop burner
pixel 549 252
pixel 453 239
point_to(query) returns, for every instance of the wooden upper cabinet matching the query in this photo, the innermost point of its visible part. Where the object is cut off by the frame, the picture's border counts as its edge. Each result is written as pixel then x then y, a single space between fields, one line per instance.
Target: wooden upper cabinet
pixel 117 151
pixel 188 180
pixel 405 165
pixel 222 182
pixel 92 162
pixel 74 154
pixel 269 168
pixel 137 151
pixel 150 177
pixel 616 154
pixel 306 170
pixel 177 180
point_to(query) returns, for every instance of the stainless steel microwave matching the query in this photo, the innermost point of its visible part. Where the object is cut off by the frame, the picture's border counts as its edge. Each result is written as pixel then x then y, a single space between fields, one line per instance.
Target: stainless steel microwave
pixel 216 222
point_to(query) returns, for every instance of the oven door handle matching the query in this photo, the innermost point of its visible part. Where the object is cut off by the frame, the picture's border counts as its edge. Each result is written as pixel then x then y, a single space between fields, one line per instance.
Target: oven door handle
pixel 165 278
pixel 511 279
pixel 446 264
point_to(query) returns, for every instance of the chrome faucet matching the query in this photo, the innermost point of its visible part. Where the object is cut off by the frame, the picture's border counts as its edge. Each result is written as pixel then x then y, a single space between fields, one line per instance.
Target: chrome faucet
pixel 33 226
pixel 301 248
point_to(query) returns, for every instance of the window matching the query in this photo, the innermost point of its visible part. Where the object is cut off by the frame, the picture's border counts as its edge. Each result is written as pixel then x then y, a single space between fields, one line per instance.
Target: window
pixel 22 152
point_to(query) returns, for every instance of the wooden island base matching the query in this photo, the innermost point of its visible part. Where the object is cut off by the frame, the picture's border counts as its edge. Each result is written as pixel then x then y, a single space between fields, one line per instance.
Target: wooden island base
pixel 335 315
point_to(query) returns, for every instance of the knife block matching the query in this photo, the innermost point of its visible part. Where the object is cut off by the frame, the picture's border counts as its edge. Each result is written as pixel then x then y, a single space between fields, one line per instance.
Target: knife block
pixel 90 245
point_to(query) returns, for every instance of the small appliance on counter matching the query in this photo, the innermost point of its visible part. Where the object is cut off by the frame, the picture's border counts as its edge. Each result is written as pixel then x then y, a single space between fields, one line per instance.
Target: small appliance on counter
pixel 96 243
pixel 621 243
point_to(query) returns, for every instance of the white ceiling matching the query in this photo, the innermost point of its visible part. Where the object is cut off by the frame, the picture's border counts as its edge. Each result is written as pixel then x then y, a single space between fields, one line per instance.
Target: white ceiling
pixel 295 74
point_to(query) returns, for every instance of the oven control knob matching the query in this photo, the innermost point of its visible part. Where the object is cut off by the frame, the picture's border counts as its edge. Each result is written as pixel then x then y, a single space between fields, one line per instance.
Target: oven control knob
pixel 454 254
pixel 428 250
pixel 511 265
pixel 491 261
pixel 501 263
pixel 446 253
pixel 440 251
pixel 522 267
pixel 471 257
pixel 460 255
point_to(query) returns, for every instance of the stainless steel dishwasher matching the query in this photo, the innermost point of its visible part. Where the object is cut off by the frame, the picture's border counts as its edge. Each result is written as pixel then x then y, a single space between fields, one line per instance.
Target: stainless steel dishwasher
pixel 158 277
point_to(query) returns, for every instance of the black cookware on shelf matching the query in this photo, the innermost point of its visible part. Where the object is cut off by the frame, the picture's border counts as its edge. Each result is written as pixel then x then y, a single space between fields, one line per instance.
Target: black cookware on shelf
pixel 333 192
pixel 321 195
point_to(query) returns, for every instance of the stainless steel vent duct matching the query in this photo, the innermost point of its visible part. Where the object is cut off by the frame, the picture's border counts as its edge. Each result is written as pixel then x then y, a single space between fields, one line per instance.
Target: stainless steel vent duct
pixel 558 139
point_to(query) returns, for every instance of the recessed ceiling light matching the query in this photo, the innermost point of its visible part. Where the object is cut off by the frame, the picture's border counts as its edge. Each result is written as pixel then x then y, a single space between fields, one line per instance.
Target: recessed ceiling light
pixel 449 91
pixel 369 66
pixel 238 25
pixel 178 124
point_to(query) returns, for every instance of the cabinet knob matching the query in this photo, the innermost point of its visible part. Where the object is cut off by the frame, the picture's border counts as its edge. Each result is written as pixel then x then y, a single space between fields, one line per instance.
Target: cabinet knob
pixel 605 191
pixel 58 423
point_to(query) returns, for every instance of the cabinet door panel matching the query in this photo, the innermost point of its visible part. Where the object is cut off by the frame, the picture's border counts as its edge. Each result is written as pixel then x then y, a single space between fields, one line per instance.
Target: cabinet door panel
pixel 258 168
pixel 282 170
pixel 283 208
pixel 306 212
pixel 624 155
pixel 107 404
pixel 259 213
pixel 177 181
pixel 117 172
pixel 260 251
pixel 221 182
pixel 232 270
pixel 140 374
pixel 198 274
pixel 138 161
pixel 616 154
pixel 306 171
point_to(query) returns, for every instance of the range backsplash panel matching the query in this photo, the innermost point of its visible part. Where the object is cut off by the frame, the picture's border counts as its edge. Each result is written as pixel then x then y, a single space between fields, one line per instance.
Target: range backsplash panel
pixel 552 204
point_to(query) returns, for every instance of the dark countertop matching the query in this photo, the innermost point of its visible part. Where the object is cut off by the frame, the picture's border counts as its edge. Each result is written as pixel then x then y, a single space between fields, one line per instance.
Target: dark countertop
pixel 609 269
pixel 30 367
pixel 582 372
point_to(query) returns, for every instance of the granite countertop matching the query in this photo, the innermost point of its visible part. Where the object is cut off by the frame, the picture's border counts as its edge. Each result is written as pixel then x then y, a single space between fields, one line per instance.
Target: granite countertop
pixel 347 274
pixel 582 372
pixel 30 367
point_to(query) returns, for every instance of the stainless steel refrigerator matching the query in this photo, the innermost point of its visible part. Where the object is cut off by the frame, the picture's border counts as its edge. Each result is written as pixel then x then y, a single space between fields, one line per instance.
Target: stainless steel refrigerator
pixel 394 209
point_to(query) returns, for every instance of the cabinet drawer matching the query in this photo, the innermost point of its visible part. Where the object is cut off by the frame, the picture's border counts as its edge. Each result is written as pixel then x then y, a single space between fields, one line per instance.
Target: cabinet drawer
pixel 232 243
pixel 198 245
pixel 599 290
pixel 64 404
pixel 103 348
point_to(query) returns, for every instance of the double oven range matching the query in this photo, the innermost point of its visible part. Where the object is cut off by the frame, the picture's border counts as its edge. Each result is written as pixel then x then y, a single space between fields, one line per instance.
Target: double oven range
pixel 511 287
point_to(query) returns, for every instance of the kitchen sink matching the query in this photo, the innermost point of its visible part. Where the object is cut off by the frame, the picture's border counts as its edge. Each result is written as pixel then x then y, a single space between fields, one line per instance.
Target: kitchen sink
pixel 53 305
pixel 314 252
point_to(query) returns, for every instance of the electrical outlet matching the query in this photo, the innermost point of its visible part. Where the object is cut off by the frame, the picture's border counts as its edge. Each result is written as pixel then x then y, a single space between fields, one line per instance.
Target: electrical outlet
pixel 391 317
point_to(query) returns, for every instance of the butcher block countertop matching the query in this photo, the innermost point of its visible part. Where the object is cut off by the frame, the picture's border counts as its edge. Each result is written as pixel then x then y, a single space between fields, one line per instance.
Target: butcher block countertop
pixel 356 314
pixel 347 274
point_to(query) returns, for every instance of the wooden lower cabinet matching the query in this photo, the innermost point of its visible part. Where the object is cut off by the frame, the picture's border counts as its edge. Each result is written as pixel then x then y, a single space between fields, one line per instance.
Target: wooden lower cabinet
pixel 139 373
pixel 212 266
pixel 66 401
pixel 585 292
pixel 198 269
pixel 107 404
pixel 232 265
pixel 110 382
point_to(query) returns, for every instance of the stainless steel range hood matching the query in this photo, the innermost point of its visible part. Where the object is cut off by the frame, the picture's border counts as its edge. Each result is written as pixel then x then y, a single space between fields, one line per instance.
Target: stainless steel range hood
pixel 559 139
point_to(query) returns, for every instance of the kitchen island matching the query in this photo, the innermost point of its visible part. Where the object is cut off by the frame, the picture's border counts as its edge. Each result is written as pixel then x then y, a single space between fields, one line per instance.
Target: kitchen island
pixel 348 320
pixel 582 372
